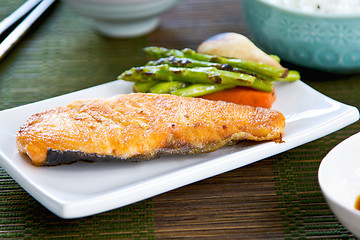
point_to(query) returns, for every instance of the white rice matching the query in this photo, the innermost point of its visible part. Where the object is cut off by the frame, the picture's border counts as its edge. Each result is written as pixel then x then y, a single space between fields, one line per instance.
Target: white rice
pixel 324 6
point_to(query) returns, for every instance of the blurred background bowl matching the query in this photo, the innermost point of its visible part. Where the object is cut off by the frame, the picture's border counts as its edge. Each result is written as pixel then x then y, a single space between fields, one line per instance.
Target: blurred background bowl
pixel 339 179
pixel 322 41
pixel 123 18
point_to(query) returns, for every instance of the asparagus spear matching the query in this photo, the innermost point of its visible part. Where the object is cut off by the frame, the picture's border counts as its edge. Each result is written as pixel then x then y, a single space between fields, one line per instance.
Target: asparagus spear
pixel 166 87
pixel 159 52
pixel 291 77
pixel 263 85
pixel 190 63
pixel 205 75
pixel 179 88
pixel 143 87
pixel 187 62
pixel 196 90
pixel 183 62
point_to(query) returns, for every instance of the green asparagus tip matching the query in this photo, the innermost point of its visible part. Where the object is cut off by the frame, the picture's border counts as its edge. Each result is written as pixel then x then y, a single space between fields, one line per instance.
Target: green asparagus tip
pixel 276 58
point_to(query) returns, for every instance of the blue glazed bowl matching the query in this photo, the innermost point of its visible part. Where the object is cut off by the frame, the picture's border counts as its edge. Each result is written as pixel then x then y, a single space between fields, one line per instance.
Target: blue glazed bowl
pixel 322 41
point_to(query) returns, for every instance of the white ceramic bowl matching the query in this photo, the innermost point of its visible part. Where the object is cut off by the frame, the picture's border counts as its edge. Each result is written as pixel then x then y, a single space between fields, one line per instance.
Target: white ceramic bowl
pixel 339 179
pixel 123 18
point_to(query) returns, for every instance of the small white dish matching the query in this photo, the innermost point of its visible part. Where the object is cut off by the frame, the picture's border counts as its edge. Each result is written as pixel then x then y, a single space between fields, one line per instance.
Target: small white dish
pixel 339 179
pixel 123 18
pixel 83 189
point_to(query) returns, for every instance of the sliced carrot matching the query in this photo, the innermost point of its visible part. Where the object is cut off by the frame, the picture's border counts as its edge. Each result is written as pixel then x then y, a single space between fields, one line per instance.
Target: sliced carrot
pixel 244 96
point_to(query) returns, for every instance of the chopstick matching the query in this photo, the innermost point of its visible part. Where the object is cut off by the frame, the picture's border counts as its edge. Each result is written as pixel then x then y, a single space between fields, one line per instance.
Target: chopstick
pixel 19 13
pixel 36 9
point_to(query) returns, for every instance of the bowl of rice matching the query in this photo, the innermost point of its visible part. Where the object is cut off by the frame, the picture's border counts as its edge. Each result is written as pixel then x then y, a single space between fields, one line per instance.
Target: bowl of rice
pixel 317 34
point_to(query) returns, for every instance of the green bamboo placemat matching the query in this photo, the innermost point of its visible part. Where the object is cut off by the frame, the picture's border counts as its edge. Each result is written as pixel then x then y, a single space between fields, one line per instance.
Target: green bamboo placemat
pixel 296 171
pixel 22 217
pixel 304 211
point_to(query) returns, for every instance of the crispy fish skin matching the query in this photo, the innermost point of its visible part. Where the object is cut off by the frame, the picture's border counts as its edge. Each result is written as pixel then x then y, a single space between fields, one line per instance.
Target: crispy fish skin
pixel 142 125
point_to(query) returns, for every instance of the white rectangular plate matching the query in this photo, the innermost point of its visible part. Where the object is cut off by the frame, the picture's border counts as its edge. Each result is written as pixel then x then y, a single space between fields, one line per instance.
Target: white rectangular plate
pixel 83 189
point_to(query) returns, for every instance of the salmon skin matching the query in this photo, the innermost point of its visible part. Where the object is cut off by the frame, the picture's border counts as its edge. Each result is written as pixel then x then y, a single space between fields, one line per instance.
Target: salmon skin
pixel 142 125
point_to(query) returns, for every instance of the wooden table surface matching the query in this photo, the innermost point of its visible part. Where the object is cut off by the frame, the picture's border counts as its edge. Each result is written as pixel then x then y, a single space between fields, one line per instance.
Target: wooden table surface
pixel 275 198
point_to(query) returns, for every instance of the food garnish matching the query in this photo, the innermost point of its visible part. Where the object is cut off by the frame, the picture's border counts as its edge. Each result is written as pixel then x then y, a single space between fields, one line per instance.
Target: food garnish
pixel 189 73
pixel 244 96
pixel 235 45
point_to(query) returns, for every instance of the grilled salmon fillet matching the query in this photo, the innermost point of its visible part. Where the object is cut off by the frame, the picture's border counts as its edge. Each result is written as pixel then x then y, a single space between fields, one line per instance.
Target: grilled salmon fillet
pixel 141 125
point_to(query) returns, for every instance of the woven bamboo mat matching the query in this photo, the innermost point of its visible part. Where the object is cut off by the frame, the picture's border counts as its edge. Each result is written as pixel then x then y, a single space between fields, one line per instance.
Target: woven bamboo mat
pixel 276 198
